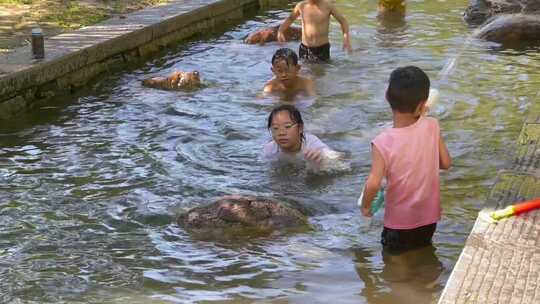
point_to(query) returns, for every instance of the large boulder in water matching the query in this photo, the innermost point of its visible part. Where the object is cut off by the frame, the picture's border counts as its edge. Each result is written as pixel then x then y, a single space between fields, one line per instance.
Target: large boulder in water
pixel 480 11
pixel 511 29
pixel 505 21
pixel 243 215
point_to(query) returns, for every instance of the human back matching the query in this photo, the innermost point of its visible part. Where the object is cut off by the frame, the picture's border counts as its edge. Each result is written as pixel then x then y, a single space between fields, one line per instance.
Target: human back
pixel 411 156
pixel 412 153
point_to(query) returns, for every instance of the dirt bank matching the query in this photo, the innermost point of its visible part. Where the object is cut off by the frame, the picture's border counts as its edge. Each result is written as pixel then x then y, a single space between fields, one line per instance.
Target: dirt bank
pixel 17 17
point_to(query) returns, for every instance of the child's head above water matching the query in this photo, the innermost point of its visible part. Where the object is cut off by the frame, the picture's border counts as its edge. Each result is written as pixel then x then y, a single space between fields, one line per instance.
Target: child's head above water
pixel 287 127
pixel 286 54
pixel 285 66
pixel 407 88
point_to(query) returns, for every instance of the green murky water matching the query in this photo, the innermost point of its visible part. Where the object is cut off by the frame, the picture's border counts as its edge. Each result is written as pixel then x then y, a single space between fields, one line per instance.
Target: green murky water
pixel 89 187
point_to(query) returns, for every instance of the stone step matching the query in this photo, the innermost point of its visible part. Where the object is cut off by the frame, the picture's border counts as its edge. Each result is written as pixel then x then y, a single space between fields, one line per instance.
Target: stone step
pixel 500 262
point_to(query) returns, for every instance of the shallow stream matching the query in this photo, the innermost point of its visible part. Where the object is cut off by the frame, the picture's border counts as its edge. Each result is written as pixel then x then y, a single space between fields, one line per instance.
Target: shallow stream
pixel 90 186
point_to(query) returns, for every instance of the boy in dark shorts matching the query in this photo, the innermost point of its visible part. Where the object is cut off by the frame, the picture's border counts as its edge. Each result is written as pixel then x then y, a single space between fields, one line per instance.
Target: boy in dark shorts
pixel 315 15
pixel 409 155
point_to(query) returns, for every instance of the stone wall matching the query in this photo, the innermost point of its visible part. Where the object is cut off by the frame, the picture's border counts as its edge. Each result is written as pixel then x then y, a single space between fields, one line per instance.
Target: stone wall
pixel 73 59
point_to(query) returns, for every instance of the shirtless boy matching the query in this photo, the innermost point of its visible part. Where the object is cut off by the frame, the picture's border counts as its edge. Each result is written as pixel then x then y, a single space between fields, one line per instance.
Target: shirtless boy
pixel 287 82
pixel 315 16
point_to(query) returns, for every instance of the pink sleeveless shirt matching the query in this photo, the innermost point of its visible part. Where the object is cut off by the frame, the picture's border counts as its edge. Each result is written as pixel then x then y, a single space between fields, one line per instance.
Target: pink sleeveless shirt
pixel 411 157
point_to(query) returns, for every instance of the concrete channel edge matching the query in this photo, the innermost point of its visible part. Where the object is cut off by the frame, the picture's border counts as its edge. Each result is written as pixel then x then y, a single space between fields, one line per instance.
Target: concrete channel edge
pixel 74 58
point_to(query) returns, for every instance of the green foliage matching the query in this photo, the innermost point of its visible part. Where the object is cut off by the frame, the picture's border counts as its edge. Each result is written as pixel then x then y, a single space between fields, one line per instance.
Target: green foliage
pixel 76 15
pixel 15 2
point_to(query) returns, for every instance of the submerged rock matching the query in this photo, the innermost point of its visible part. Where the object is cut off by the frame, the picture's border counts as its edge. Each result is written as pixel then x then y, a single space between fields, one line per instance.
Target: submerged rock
pixel 243 215
pixel 269 34
pixel 505 21
pixel 480 11
pixel 511 29
pixel 176 81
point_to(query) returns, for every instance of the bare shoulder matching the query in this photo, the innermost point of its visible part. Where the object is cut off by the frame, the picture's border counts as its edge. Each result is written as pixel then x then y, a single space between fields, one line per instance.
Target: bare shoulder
pixel 271 86
pixel 306 81
pixel 307 85
pixel 300 5
pixel 268 87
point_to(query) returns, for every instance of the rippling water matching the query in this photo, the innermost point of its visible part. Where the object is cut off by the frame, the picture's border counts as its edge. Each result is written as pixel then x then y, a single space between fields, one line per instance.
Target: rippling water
pixel 89 187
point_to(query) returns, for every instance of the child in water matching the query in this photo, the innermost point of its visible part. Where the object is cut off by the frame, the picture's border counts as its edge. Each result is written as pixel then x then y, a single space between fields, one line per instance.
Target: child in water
pixel 287 82
pixel 289 141
pixel 391 13
pixel 315 15
pixel 409 155
pixel 391 6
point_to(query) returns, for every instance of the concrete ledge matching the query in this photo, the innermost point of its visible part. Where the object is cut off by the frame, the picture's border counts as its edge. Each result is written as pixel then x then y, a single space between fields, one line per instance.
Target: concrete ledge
pixel 500 263
pixel 528 149
pixel 72 59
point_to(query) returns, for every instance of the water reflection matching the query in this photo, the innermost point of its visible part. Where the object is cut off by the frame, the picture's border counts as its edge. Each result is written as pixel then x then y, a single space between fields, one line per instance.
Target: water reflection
pixel 411 277
pixel 301 102
pixel 90 185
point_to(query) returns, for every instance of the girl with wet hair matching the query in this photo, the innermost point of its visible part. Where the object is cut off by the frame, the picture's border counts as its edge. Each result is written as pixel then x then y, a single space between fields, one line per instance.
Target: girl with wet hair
pixel 289 141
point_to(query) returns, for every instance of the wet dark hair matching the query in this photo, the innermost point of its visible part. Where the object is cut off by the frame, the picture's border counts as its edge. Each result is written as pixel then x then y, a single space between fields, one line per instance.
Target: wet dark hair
pixel 407 88
pixel 294 114
pixel 286 54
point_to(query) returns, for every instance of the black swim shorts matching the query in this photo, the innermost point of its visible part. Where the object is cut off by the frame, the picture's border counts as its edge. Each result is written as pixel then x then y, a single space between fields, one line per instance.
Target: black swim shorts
pixel 314 54
pixel 396 241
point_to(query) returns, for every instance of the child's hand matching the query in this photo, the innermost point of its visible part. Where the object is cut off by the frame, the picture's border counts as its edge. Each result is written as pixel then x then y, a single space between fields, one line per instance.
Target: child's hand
pixel 347 46
pixel 432 99
pixel 281 37
pixel 314 156
pixel 366 212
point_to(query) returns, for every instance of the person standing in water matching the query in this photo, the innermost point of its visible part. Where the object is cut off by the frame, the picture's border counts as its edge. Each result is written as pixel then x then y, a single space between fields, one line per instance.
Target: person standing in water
pixel 391 13
pixel 409 155
pixel 315 16
pixel 289 141
pixel 396 7
pixel 287 82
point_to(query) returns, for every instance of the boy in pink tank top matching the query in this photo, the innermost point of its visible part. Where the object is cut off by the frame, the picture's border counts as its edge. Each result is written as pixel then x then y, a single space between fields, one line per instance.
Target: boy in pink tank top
pixel 409 155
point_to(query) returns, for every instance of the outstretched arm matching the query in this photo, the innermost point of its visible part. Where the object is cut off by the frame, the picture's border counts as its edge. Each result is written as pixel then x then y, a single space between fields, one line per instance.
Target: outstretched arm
pixel 344 28
pixel 445 161
pixel 285 25
pixel 374 180
pixel 310 87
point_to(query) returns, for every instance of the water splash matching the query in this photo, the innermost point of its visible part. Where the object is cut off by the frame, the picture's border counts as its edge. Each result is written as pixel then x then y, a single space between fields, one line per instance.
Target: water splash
pixel 451 64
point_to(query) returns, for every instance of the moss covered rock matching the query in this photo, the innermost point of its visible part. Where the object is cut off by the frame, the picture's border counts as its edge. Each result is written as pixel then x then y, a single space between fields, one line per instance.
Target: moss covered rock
pixel 243 215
